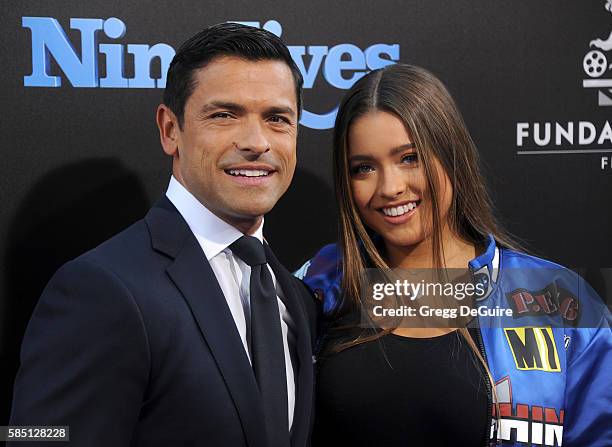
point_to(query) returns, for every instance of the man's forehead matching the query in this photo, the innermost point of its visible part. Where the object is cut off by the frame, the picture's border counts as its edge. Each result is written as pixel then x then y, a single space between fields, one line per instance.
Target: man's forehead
pixel 235 69
pixel 231 79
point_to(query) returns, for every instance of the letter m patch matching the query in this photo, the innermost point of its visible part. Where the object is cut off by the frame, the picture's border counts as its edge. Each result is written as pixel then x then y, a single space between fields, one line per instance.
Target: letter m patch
pixel 533 348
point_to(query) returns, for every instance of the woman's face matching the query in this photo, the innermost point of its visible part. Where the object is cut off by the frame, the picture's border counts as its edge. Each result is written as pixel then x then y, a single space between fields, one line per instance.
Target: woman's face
pixel 388 180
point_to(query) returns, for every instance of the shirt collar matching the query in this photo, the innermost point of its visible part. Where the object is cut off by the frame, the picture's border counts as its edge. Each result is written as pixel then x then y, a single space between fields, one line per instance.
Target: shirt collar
pixel 212 232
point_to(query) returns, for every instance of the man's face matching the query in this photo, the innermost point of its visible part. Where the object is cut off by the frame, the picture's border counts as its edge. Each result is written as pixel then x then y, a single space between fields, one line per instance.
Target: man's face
pixel 237 150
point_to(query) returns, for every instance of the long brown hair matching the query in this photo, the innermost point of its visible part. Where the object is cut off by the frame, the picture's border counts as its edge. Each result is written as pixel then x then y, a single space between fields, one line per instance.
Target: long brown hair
pixel 436 126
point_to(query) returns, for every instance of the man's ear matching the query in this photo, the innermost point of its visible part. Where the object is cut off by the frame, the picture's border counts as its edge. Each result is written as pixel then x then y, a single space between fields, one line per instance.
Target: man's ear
pixel 168 125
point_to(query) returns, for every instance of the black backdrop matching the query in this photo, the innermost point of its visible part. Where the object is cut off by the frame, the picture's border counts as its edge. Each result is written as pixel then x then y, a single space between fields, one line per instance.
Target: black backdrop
pixel 79 164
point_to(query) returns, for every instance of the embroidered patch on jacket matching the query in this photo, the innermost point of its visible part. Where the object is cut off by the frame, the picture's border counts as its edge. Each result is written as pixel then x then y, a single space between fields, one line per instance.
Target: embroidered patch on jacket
pixel 551 300
pixel 523 422
pixel 533 348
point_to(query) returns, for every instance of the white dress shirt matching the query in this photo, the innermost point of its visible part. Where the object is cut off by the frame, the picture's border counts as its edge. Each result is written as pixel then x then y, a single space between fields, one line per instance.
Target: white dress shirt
pixel 215 236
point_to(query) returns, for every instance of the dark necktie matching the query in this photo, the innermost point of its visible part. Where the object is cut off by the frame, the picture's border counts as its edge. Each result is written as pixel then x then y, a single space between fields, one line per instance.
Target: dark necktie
pixel 267 352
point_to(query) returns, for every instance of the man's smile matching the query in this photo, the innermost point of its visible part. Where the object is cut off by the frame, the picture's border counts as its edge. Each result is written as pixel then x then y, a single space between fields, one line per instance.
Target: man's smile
pixel 251 174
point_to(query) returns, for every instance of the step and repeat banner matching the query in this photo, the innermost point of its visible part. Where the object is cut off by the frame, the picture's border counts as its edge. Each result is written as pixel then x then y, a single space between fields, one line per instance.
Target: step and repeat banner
pixel 81 157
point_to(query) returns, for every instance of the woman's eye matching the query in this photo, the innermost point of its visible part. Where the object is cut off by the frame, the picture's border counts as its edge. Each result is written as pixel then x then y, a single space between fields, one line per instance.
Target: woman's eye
pixel 410 159
pixel 361 169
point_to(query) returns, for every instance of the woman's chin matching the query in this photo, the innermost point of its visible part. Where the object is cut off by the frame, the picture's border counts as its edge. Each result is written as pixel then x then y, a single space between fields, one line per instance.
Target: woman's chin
pixel 401 240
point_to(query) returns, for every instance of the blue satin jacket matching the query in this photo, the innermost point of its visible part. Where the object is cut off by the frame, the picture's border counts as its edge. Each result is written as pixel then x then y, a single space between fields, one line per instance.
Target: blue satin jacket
pixel 551 360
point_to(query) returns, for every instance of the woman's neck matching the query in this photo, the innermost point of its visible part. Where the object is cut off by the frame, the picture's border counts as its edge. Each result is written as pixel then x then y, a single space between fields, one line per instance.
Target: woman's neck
pixel 456 253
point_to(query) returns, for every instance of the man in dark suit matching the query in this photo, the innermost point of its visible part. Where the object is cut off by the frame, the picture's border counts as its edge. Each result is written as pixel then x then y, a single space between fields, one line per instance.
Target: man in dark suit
pixel 184 329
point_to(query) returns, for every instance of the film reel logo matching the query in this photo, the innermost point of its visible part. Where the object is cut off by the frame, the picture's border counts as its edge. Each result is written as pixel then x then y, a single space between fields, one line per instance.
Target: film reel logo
pixel 596 64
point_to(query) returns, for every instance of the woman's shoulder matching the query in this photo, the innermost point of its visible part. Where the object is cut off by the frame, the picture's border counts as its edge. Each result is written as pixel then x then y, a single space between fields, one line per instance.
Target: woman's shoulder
pixel 323 274
pixel 528 265
pixel 567 288
pixel 516 258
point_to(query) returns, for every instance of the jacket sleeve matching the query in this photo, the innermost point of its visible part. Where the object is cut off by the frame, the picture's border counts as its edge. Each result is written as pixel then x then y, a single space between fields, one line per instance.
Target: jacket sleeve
pixel 84 359
pixel 588 394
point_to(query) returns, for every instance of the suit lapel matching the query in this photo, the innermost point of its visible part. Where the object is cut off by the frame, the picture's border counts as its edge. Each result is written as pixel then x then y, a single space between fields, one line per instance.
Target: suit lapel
pixel 304 375
pixel 193 276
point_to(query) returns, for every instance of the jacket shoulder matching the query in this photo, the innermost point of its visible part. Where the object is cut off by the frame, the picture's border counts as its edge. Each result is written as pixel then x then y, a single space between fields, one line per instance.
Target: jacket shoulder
pixel 323 275
pixel 572 296
pixel 128 255
pixel 126 245
pixel 513 258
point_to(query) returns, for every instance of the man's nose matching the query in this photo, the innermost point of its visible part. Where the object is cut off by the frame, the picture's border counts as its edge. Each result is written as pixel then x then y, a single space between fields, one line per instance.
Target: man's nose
pixel 253 137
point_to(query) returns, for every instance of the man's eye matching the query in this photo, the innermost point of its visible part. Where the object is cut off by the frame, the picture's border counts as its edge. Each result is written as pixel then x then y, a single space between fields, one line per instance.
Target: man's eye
pixel 361 169
pixel 222 115
pixel 278 119
pixel 410 159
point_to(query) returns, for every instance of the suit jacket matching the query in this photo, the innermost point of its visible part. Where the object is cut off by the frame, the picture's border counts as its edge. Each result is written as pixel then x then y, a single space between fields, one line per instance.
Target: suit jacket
pixel 133 344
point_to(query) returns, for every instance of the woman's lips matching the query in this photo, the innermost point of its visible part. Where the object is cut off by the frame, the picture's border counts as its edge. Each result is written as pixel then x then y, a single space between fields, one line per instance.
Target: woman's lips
pixel 399 214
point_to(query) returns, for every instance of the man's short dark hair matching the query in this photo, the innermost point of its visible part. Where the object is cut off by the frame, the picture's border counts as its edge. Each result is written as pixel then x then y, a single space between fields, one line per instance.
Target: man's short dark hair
pixel 224 39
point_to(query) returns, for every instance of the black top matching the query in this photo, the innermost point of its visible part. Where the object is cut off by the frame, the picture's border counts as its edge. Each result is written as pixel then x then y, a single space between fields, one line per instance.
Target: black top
pixel 398 391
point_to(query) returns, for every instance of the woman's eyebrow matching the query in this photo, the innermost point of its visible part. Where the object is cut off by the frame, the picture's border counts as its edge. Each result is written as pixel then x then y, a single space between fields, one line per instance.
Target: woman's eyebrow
pixel 360 158
pixel 392 152
pixel 401 148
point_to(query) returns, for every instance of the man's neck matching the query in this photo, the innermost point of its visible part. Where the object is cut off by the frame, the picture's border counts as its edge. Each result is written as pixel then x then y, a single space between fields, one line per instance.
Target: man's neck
pixel 245 226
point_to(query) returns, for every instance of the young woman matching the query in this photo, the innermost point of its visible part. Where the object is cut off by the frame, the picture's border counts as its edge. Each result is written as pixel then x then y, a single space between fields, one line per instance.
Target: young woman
pixel 411 196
